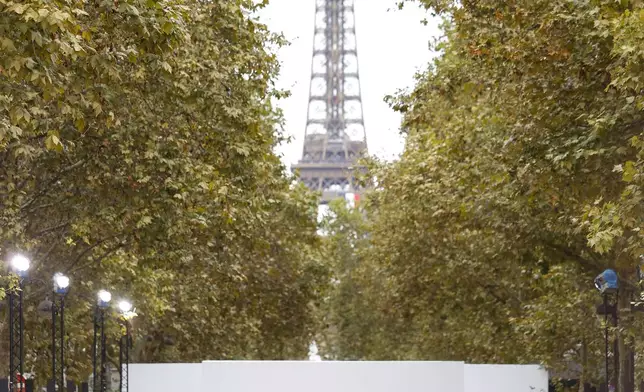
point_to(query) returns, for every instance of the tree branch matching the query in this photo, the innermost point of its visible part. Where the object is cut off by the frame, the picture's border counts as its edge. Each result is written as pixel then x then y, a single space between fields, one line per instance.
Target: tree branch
pixel 90 248
pixel 52 181
pixel 100 259
pixel 49 230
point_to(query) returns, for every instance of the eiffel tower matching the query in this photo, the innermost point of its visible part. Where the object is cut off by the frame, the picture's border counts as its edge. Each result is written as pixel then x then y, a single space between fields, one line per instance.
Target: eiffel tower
pixel 335 134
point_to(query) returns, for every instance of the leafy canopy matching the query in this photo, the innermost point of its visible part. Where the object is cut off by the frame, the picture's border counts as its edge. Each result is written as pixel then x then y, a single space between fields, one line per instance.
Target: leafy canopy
pixel 136 155
pixel 520 181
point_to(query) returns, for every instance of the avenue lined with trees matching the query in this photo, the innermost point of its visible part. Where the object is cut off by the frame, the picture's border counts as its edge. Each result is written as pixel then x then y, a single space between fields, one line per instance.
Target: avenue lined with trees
pixel 137 155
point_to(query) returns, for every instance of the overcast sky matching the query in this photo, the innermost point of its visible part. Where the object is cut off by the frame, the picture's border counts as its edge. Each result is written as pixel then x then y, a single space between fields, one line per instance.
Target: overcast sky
pixel 392 46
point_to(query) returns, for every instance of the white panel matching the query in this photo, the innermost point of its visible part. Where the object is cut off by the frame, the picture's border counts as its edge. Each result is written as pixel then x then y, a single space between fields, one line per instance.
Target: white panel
pixel 165 377
pixel 505 378
pixel 308 376
pixel 286 376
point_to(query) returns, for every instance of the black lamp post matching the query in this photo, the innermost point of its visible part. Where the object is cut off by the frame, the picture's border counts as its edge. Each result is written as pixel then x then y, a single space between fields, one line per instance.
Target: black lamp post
pixel 607 284
pixel 127 314
pixel 20 265
pixel 61 288
pixel 104 298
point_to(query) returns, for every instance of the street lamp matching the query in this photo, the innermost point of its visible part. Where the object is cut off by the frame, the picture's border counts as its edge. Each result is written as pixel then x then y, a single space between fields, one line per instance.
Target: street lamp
pixel 19 265
pixel 104 298
pixel 103 302
pixel 127 314
pixel 61 288
pixel 125 307
pixel 607 283
pixel 61 284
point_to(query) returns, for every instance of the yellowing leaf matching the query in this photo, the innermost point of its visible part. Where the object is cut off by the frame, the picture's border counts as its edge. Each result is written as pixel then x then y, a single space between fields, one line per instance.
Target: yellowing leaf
pixel 629 171
pixel 80 124
pixel 7 44
pixel 52 142
pixel 18 8
pixel 167 27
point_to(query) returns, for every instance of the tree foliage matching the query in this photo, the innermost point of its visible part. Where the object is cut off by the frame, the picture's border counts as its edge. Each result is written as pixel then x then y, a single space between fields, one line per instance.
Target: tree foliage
pixel 521 180
pixel 136 155
pixel 349 329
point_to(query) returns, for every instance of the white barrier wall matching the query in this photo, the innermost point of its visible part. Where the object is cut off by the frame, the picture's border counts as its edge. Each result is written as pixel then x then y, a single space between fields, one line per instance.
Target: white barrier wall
pixel 309 376
pixel 505 378
pixel 162 377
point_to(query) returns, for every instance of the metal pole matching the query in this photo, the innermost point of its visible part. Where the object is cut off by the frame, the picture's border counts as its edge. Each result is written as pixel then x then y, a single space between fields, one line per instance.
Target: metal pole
pixel 12 343
pixel 124 359
pixel 53 341
pixel 16 334
pixel 128 342
pixel 103 353
pixel 62 344
pixel 22 329
pixel 616 353
pixel 121 362
pixel 94 350
pixel 606 337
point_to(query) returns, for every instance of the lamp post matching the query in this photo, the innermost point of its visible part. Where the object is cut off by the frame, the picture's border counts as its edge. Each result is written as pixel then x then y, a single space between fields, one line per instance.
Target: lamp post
pixel 20 265
pixel 607 284
pixel 104 298
pixel 61 288
pixel 125 307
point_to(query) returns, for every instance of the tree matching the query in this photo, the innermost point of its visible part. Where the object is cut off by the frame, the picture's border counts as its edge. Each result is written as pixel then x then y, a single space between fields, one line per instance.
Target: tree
pixel 136 154
pixel 519 183
pixel 349 312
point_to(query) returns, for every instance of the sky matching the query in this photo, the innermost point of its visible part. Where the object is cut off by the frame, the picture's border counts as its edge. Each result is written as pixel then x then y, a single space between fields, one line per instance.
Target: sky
pixel 392 46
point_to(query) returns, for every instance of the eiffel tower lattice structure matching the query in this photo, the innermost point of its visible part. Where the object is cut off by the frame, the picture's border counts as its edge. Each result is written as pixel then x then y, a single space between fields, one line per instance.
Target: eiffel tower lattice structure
pixel 335 133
